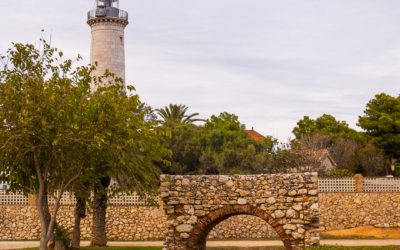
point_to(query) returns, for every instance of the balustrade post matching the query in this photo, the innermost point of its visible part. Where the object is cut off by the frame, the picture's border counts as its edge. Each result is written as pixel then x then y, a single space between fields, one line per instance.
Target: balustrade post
pixel 31 200
pixel 359 183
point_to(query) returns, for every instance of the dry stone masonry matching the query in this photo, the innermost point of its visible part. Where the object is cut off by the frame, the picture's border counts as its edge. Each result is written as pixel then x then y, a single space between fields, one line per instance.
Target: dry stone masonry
pixel 340 211
pixel 196 204
pixel 122 222
pixel 243 227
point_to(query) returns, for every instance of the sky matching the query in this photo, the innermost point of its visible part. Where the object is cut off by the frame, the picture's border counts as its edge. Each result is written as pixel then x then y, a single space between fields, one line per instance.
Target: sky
pixel 271 62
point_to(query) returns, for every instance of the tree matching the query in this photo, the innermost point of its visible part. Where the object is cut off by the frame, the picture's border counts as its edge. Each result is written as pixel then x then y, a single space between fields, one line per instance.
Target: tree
pixel 306 153
pixel 177 113
pixel 186 145
pixel 357 157
pixel 229 149
pixel 56 133
pixel 381 123
pixel 326 124
pixel 145 143
pixel 220 146
pixel 271 143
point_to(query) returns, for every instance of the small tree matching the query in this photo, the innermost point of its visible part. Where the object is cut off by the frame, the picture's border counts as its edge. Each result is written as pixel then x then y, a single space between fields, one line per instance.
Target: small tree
pixel 381 123
pixel 54 131
pixel 306 153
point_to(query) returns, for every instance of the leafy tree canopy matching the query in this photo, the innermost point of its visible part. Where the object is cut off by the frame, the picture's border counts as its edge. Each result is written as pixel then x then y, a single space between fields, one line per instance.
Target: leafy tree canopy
pixel 220 146
pixel 185 143
pixel 326 124
pixel 381 122
pixel 55 132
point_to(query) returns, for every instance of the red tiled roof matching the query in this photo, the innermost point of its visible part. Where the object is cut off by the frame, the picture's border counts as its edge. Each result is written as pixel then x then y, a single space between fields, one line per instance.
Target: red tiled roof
pixel 256 136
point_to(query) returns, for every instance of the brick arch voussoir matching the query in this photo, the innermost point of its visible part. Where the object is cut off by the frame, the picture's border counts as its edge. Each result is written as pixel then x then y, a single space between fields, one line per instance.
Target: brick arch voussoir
pixel 205 224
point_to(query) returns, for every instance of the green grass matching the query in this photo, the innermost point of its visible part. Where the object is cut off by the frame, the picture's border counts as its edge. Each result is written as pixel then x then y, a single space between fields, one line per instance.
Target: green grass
pixel 108 248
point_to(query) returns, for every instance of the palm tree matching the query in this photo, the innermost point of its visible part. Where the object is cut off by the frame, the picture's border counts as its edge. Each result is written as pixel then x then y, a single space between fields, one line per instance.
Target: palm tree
pixel 177 113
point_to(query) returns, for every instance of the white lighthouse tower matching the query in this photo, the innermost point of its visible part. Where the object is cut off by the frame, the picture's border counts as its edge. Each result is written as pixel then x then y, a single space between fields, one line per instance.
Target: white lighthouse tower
pixel 108 23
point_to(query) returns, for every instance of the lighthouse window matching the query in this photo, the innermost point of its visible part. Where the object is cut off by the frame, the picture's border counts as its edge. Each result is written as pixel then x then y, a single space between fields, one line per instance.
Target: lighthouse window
pixel 121 38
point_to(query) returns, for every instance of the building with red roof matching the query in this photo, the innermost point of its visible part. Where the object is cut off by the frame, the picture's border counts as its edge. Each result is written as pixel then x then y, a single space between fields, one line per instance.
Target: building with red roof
pixel 255 135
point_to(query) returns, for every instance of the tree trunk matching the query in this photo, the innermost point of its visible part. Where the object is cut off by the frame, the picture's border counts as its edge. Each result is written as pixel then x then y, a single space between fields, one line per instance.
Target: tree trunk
pixel 47 216
pixel 98 236
pixel 44 239
pixel 80 213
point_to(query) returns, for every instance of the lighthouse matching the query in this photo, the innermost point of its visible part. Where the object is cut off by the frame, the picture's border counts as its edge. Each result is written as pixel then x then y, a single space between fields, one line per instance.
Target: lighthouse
pixel 108 23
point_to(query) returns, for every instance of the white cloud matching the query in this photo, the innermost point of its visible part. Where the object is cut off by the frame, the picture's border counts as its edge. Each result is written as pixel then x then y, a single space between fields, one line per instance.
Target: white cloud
pixel 270 62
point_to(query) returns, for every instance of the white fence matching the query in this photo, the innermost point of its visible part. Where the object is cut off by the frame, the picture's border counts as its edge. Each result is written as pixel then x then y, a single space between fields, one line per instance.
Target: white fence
pixel 383 185
pixel 325 185
pixel 69 199
pixel 337 184
pixel 12 199
pixel 369 184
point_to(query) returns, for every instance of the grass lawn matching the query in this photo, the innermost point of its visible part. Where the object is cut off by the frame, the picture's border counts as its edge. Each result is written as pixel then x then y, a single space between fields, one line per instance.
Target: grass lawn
pixel 322 247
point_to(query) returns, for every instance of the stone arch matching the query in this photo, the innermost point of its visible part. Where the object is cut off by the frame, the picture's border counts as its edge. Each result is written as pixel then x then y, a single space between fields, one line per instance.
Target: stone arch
pixel 195 204
pixel 198 238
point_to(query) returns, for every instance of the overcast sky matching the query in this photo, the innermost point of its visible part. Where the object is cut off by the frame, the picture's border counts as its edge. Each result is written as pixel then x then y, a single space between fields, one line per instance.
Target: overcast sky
pixel 269 62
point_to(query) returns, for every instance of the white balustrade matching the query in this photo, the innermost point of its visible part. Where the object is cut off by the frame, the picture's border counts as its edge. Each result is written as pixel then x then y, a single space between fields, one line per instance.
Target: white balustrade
pixel 325 185
pixel 384 185
pixel 343 184
pixel 12 199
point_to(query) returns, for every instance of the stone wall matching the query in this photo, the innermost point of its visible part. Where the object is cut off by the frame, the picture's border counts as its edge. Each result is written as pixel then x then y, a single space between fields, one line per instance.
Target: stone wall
pixel 243 226
pixel 123 223
pixel 195 204
pixel 338 211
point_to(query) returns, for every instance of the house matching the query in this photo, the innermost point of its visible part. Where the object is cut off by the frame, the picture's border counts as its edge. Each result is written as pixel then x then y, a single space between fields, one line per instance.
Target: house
pixel 326 161
pixel 313 160
pixel 255 135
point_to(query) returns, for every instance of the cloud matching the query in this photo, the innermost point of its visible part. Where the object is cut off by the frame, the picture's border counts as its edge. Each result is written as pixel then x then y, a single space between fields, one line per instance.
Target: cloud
pixel 270 62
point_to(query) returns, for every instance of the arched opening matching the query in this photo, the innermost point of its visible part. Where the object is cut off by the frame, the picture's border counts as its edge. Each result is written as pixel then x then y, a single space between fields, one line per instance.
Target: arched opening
pixel 198 237
pixel 242 227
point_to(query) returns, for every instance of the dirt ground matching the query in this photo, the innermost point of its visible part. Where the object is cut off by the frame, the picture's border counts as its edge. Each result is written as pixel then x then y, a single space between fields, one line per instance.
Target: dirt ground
pixel 370 231
pixel 219 244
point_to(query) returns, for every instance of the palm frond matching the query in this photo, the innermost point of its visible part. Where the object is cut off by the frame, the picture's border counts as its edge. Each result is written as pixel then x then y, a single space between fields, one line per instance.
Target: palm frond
pixel 176 112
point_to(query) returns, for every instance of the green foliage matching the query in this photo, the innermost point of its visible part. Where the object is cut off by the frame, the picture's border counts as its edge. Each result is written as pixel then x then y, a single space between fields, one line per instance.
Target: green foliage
pixel 176 113
pixel 396 172
pixel 270 143
pixel 61 234
pixel 326 124
pixel 229 149
pixel 381 122
pixel 340 173
pixel 220 146
pixel 350 149
pixel 185 145
pixel 56 132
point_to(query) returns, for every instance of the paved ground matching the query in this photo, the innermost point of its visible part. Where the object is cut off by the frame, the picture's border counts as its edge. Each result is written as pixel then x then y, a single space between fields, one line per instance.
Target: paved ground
pixel 27 244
